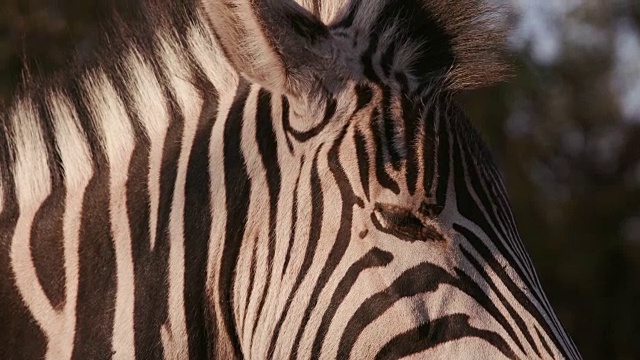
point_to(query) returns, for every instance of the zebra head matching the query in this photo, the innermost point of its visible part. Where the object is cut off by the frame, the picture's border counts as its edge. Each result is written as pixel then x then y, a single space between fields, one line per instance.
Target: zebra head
pixel 389 232
pixel 266 179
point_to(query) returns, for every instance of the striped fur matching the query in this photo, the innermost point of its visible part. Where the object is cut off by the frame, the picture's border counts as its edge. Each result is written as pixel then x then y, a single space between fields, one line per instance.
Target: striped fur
pixel 243 181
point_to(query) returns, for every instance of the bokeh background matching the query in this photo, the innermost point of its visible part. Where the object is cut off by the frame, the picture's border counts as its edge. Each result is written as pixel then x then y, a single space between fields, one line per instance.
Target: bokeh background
pixel 565 131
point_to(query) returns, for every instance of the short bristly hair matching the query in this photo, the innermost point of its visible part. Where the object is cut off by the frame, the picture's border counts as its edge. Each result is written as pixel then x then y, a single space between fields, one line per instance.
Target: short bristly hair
pixel 459 42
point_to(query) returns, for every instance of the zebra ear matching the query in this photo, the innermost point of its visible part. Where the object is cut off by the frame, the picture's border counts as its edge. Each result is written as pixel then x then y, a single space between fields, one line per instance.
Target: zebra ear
pixel 275 43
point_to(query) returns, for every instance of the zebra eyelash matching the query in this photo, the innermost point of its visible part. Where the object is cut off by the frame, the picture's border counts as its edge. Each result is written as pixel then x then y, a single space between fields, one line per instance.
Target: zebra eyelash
pixel 403 224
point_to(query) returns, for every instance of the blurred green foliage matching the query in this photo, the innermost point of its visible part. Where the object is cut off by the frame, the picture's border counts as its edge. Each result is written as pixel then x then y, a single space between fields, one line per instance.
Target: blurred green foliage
pixel 571 160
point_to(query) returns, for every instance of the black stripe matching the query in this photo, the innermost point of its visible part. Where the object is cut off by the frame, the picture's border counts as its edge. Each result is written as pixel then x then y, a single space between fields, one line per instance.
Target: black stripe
pixel 310 28
pixel 390 131
pixel 374 258
pixel 268 148
pixel 381 173
pixel 285 121
pixel 149 267
pixel 437 332
pixel 47 246
pixel 363 161
pixel 303 136
pixel 473 289
pixel 237 190
pixel 386 60
pixel 423 278
pixel 294 220
pixel 367 59
pixel 411 116
pixel 197 230
pixel 252 276
pixel 444 157
pixel 428 142
pixel 505 324
pixel 97 284
pixel 544 342
pixel 47 242
pixel 364 93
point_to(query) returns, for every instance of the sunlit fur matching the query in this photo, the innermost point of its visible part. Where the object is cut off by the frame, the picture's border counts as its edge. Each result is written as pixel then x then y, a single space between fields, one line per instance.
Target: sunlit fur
pixel 262 179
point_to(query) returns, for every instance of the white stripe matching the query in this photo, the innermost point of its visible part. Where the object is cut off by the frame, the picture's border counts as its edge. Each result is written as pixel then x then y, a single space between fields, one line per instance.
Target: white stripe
pixel 208 53
pixel 257 223
pixel 461 349
pixel 328 9
pixel 33 185
pixel 174 335
pixel 117 135
pixel 32 176
pixel 76 161
pixel 180 78
pixel 176 252
pixel 529 320
pixel 151 106
pixel 218 227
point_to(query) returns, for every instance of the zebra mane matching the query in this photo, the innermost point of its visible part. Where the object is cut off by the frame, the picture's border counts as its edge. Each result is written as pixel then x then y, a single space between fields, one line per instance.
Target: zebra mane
pixel 477 41
pixel 134 28
pixel 459 42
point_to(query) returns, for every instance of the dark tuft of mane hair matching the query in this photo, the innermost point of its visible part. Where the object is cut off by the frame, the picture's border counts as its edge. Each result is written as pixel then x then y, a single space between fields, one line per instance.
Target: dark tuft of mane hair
pixel 477 40
pixel 456 43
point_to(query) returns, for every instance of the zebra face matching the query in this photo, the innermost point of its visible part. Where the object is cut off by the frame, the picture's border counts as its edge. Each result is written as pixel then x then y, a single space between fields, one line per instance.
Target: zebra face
pixel 394 235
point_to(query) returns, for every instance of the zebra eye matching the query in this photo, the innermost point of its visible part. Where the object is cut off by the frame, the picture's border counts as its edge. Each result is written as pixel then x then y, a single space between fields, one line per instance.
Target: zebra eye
pixel 403 224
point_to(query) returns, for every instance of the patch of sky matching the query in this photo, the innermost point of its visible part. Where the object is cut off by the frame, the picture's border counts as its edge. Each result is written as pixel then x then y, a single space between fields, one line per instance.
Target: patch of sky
pixel 626 74
pixel 539 28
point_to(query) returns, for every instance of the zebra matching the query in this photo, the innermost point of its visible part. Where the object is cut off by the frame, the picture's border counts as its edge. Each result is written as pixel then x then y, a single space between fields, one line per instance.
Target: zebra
pixel 268 179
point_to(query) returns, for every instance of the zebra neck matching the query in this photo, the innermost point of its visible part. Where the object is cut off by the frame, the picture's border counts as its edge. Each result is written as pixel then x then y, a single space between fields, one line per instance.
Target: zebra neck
pixel 107 155
pixel 94 119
